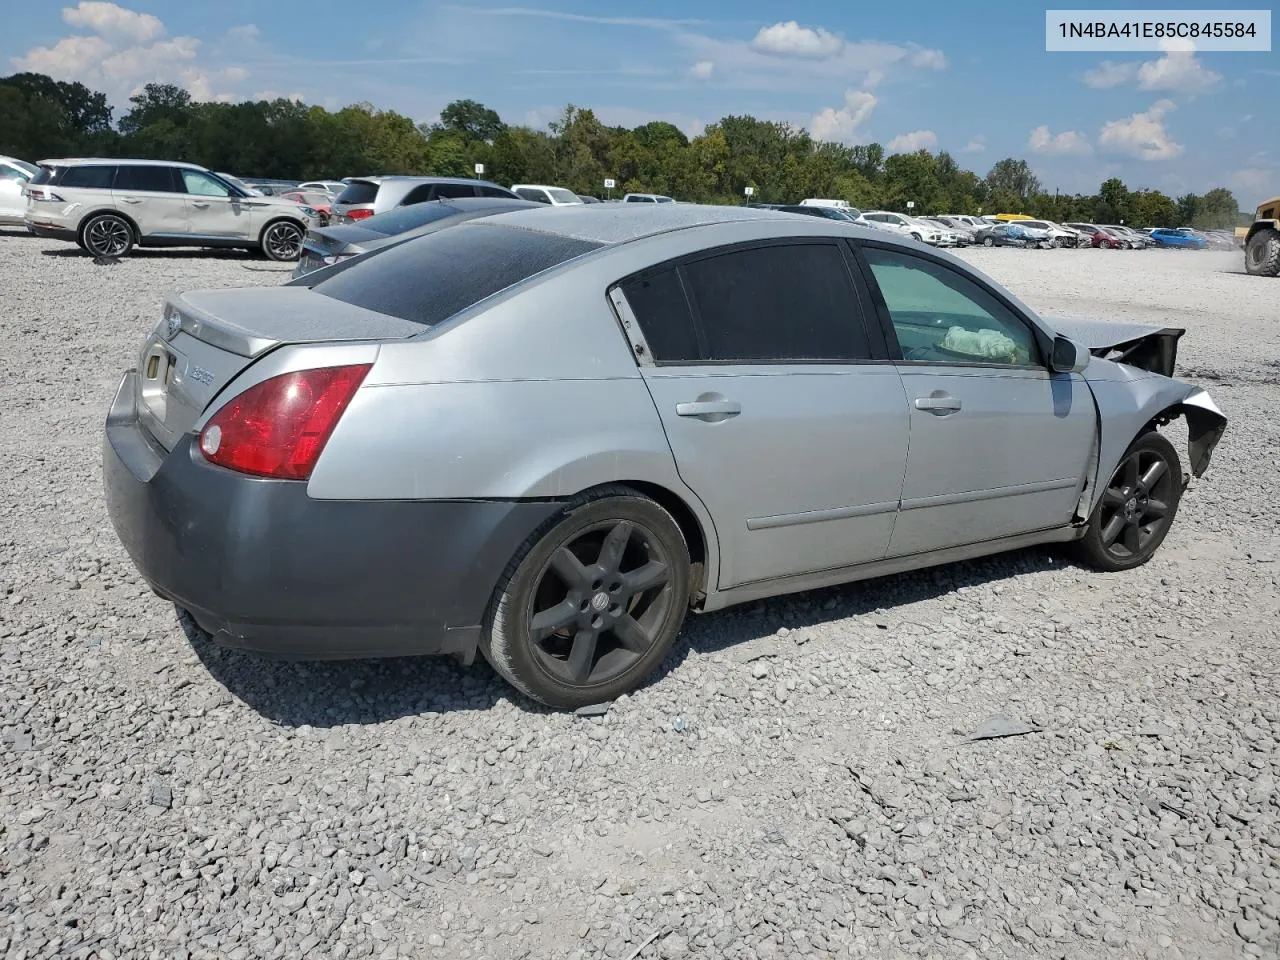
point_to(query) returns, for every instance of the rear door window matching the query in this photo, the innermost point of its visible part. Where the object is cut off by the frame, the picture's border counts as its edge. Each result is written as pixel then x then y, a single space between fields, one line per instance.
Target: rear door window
pixel 658 301
pixel 97 177
pixel 359 191
pixel 146 179
pixel 429 279
pixel 488 190
pixel 450 191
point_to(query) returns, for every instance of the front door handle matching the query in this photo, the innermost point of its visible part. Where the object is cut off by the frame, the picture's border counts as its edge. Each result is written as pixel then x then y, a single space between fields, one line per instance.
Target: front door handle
pixel 199 203
pixel 939 405
pixel 710 410
pixel 132 199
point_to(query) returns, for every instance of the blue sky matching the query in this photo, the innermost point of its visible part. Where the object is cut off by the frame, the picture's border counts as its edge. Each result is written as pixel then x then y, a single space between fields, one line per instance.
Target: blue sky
pixel 972 79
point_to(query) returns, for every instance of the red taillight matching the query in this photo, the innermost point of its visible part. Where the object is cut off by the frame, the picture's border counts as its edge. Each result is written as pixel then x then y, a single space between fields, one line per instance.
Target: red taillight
pixel 278 428
pixel 359 214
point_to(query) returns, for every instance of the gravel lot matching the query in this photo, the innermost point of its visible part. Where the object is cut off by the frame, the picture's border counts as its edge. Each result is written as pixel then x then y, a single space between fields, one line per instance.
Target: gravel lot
pixel 161 798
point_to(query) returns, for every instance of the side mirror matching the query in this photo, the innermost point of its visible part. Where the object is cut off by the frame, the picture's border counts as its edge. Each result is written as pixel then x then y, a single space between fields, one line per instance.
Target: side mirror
pixel 1068 356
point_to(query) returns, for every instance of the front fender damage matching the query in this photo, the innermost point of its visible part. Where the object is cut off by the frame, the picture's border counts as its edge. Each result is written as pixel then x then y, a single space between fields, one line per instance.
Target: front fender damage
pixel 1205 427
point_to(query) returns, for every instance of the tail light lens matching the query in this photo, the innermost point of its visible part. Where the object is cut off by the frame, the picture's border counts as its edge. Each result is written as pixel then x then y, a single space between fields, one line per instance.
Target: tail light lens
pixel 42 193
pixel 359 214
pixel 279 427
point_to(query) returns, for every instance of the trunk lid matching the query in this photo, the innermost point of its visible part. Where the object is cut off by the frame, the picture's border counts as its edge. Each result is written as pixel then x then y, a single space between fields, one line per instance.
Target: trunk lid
pixel 208 337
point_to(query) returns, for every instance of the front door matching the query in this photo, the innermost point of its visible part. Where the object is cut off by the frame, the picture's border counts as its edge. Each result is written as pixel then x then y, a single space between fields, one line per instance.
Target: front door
pixel 216 211
pixel 778 416
pixel 151 195
pixel 999 445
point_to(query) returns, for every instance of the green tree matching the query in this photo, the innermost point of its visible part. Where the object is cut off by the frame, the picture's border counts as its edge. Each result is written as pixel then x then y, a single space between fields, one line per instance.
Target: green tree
pixel 1010 177
pixel 472 120
pixel 156 102
pixel 1114 204
pixel 1217 210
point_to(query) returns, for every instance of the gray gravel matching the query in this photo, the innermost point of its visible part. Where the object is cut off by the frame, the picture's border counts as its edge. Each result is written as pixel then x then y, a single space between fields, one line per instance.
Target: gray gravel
pixel 801 782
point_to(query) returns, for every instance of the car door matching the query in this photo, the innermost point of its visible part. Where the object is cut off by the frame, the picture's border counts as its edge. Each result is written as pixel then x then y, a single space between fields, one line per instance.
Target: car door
pixel 152 196
pixel 12 203
pixel 214 209
pixel 999 445
pixel 780 418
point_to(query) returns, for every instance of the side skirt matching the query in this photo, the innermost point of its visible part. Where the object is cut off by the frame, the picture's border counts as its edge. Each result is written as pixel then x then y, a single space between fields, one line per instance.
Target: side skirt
pixel 879 568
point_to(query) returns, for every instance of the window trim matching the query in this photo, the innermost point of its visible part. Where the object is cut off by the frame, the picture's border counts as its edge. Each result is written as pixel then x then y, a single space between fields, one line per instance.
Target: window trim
pixel 1042 341
pixel 876 343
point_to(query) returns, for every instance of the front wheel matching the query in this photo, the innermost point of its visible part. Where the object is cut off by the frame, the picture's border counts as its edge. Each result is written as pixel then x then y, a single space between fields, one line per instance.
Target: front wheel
pixel 593 603
pixel 282 240
pixel 1262 254
pixel 107 235
pixel 1137 507
pixel 988 242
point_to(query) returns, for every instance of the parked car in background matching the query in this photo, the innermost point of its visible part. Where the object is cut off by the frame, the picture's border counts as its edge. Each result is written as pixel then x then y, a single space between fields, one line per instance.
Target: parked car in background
pixel 1001 235
pixel 15 174
pixel 364 197
pixel 1210 240
pixel 327 246
pixel 952 236
pixel 550 461
pixel 1163 237
pixel 1010 217
pixel 110 206
pixel 823 202
pixel 905 226
pixel 1133 238
pixel 1056 234
pixel 538 193
pixel 242 186
pixel 332 187
pixel 587 198
pixel 271 187
pixel 646 198
pixel 317 200
pixel 1098 237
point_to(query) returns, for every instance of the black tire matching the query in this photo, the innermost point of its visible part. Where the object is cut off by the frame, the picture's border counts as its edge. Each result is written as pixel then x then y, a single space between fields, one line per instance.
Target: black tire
pixel 916 237
pixel 988 242
pixel 281 240
pixel 597 639
pixel 1262 254
pixel 1137 507
pixel 107 235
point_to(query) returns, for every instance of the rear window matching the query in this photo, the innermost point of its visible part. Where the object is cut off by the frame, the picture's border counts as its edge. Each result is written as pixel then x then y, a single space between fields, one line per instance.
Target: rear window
pixel 358 191
pixel 429 279
pixel 406 218
pixel 98 177
pixel 146 179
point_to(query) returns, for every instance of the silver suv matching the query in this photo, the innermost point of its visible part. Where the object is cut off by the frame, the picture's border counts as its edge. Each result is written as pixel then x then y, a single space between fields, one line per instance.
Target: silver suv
pixel 366 197
pixel 109 206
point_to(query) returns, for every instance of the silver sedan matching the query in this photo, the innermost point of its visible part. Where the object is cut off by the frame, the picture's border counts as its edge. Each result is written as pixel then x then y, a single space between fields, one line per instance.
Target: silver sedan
pixel 548 435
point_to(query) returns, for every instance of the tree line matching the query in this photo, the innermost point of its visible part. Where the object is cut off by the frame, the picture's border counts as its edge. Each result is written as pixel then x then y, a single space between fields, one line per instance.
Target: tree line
pixel 42 118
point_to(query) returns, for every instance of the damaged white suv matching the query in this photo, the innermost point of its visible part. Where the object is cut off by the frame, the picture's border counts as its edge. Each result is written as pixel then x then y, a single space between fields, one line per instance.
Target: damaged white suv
pixel 110 206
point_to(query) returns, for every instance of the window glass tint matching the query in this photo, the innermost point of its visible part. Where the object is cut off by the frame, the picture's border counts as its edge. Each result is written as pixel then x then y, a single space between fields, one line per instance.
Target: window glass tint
pixel 203 185
pixel 406 218
pixel 941 316
pixel 98 177
pixel 492 191
pixel 537 196
pixel 660 307
pixel 782 303
pixel 428 279
pixel 359 191
pixel 423 193
pixel 560 195
pixel 448 191
pixel 13 173
pixel 146 179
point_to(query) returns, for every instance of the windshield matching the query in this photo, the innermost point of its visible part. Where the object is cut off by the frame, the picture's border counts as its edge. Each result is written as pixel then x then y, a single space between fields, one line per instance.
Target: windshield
pixel 560 195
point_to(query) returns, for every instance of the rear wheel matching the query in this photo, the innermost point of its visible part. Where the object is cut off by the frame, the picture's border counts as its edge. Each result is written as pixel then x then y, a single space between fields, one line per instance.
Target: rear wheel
pixel 589 609
pixel 1262 254
pixel 282 240
pixel 1137 507
pixel 988 242
pixel 106 235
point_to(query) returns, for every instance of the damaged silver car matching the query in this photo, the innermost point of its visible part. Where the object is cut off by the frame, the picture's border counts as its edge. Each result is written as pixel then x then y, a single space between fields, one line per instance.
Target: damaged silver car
pixel 547 435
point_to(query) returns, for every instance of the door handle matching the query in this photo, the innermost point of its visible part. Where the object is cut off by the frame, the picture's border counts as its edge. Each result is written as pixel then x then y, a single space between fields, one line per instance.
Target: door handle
pixel 712 411
pixel 199 203
pixel 938 405
pixel 132 199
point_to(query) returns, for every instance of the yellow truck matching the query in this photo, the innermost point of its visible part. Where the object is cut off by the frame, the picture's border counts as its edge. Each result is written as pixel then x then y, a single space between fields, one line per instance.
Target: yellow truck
pixel 1262 241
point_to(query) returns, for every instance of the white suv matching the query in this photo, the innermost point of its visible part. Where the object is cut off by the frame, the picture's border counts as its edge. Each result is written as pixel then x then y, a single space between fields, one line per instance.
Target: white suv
pixel 906 226
pixel 109 206
pixel 541 193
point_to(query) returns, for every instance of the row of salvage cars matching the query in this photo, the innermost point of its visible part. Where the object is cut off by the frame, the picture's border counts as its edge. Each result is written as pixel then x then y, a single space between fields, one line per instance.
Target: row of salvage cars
pixel 548 434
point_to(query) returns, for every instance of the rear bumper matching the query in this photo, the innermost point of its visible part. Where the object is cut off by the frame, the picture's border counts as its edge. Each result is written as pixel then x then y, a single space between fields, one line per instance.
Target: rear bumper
pixel 265 568
pixel 50 231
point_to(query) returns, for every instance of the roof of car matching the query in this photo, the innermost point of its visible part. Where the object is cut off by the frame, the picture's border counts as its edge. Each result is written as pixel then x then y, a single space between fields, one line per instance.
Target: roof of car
pixel 619 223
pixel 417 179
pixel 89 161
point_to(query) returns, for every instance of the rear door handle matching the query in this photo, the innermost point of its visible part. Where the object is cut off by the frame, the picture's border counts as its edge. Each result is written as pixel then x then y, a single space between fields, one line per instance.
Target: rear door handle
pixel 938 405
pixel 710 410
pixel 132 199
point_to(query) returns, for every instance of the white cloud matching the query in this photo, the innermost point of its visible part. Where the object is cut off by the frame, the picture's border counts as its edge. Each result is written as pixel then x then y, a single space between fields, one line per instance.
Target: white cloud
pixel 1142 135
pixel 114 22
pixel 913 141
pixel 1178 71
pixel 245 33
pixel 976 144
pixel 1108 74
pixel 842 125
pixel 929 59
pixel 1057 144
pixel 1251 184
pixel 702 70
pixel 792 40
pixel 125 50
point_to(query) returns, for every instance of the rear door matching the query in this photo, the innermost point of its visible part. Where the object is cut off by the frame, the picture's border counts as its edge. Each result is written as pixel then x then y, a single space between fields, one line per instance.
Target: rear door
pixel 780 418
pixel 152 195
pixel 999 445
pixel 213 209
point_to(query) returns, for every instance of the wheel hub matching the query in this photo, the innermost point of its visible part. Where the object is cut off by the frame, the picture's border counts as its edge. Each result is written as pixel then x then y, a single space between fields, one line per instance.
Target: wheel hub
pixel 600 602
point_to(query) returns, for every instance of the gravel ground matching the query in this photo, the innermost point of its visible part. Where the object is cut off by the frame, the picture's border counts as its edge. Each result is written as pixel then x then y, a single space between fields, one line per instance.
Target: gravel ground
pixel 798 783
